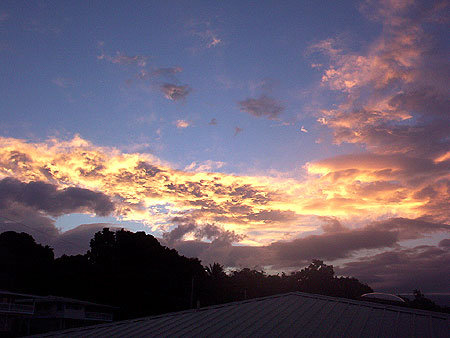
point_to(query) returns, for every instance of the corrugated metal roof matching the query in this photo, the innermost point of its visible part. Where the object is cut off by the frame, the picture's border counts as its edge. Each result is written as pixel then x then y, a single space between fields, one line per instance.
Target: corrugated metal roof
pixel 294 314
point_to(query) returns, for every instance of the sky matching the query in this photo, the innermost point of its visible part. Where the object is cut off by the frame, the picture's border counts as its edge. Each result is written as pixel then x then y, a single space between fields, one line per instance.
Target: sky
pixel 259 134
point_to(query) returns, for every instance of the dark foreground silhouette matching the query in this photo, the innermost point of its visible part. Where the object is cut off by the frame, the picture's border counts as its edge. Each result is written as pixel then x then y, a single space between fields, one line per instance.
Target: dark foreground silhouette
pixel 139 276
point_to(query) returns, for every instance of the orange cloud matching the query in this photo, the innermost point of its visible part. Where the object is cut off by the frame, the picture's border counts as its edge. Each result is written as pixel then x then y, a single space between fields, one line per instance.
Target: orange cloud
pixel 395 92
pixel 144 188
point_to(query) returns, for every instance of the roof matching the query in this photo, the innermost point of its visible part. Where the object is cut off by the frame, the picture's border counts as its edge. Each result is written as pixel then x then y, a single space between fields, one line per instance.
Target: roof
pixel 9 293
pixel 294 314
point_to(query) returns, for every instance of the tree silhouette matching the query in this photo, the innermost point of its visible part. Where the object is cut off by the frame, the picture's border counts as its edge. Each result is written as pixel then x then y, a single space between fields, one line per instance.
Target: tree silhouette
pixel 24 265
pixel 135 273
pixel 141 275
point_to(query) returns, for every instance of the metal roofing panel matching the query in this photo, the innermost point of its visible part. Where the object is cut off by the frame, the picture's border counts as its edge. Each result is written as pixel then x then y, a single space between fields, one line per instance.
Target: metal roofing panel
pixel 289 315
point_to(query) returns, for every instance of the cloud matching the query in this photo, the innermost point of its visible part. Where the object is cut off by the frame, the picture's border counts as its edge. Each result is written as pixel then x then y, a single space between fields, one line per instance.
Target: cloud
pixel 214 41
pixel 212 232
pixel 76 241
pixel 274 216
pixel 404 269
pixel 351 203
pixel 164 78
pixel 205 166
pixel 388 180
pixel 167 71
pixel 395 96
pixel 62 82
pixel 206 35
pixel 121 58
pixel 349 189
pixel 174 92
pixel 182 124
pixel 337 242
pixel 31 208
pixel 330 246
pixel 263 106
pixel 47 198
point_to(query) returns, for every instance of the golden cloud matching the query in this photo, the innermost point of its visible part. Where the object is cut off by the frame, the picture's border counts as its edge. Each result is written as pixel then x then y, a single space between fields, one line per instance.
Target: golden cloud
pixel 263 208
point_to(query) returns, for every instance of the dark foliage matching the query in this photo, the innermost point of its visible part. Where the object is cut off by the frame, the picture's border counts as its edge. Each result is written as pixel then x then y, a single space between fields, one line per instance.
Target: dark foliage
pixel 139 276
pixel 423 303
pixel 24 265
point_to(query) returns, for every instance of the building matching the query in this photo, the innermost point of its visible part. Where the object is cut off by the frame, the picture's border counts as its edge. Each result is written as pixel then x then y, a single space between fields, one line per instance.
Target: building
pixel 15 317
pixel 294 314
pixel 24 314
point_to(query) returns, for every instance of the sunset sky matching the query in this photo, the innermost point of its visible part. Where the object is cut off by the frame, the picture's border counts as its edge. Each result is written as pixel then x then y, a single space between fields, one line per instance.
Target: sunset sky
pixel 257 134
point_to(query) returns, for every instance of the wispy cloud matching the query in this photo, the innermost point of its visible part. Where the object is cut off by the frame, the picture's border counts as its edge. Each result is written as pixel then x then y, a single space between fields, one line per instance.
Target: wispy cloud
pixel 167 72
pixel 62 82
pixel 163 78
pixel 207 37
pixel 123 59
pixel 208 165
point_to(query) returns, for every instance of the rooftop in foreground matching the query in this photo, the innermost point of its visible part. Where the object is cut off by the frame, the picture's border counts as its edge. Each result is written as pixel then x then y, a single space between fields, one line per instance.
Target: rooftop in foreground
pixel 293 314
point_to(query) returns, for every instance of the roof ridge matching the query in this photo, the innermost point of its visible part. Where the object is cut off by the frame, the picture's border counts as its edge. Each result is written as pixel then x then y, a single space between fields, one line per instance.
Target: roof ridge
pixel 387 307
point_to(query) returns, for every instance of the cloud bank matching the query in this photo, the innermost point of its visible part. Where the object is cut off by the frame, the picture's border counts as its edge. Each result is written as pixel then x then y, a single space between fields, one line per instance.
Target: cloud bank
pixel 362 208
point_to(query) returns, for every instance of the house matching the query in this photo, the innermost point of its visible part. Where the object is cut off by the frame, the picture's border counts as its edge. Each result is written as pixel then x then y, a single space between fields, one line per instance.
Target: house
pixel 14 316
pixel 24 314
pixel 293 314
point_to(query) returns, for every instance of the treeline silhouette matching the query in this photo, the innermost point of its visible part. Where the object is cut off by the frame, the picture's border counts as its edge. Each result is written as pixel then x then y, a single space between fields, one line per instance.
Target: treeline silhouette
pixel 139 276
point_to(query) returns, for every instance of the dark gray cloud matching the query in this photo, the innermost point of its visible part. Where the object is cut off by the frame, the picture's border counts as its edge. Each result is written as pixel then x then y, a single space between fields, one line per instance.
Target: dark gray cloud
pixel 175 92
pixel 187 225
pixel 410 228
pixel 445 243
pixel 403 270
pixel 330 246
pixel 273 216
pixel 337 242
pixel 331 224
pixel 19 218
pixel 263 106
pixel 148 169
pixel 53 201
pixel 31 208
pixel 76 241
pixel 179 232
pixel 191 188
